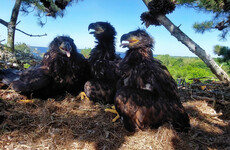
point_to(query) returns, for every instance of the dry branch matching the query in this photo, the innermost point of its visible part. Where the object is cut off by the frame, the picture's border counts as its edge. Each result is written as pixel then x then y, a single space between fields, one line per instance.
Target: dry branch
pixel 2 40
pixel 31 35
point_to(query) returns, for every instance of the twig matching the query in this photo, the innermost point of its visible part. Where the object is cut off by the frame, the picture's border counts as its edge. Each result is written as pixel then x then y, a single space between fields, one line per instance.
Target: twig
pixel 201 142
pixel 18 22
pixel 6 90
pixel 87 109
pixel 223 102
pixel 198 78
pixel 203 98
pixel 214 115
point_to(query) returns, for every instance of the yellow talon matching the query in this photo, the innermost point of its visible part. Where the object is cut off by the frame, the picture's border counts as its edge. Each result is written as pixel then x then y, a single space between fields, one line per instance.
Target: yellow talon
pixel 113 110
pixel 82 96
pixel 25 101
pixel 117 117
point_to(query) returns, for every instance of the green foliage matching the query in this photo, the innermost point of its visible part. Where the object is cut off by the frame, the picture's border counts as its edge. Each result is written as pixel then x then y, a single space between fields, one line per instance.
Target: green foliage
pixel 186 67
pixel 223 51
pixel 86 52
pixel 210 5
pixel 224 61
pixel 45 8
pixel 202 27
pixel 207 5
pixel 165 59
pixel 26 65
pixel 182 2
pixel 220 9
pixel 25 56
pixel 22 47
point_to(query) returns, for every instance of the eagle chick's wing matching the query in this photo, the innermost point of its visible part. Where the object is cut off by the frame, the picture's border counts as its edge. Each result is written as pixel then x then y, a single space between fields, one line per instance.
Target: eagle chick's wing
pixel 31 79
pixel 7 76
pixel 142 109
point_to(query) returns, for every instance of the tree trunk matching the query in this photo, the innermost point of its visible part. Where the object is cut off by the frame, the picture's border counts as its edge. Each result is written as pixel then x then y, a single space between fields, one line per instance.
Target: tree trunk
pixel 192 46
pixel 12 25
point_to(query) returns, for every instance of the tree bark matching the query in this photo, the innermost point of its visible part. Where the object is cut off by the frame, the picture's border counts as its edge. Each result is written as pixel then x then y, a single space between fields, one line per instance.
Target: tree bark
pixel 12 25
pixel 192 46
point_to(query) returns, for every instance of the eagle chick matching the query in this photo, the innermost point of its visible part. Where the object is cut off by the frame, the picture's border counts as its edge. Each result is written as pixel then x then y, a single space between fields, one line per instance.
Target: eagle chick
pixel 102 60
pixel 62 69
pixel 147 95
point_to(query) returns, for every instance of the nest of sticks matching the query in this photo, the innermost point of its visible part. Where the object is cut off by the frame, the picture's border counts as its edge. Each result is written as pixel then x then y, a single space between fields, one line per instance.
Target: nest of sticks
pixel 70 123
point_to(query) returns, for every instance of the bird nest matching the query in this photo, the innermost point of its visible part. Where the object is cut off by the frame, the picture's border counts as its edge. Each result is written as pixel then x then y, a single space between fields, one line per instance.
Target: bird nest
pixel 70 123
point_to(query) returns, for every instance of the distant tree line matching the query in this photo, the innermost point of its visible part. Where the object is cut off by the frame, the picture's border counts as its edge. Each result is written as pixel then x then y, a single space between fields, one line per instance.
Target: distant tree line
pixel 189 67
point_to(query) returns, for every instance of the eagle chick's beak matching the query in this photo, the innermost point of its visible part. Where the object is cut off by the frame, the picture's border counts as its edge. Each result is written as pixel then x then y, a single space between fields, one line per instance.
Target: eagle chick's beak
pixel 91 26
pixel 131 40
pixel 96 27
pixel 66 48
pixel 124 37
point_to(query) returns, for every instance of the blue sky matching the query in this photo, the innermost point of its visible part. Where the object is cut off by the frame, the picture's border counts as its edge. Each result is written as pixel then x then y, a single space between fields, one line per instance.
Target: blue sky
pixel 124 15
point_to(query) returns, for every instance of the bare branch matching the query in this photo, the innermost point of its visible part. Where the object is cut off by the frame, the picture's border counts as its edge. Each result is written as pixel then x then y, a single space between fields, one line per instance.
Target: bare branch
pixel 31 35
pixel 4 22
pixel 2 40
pixel 18 22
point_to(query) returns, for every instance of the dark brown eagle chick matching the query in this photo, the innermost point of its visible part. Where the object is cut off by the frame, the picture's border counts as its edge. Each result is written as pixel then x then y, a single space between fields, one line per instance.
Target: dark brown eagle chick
pixel 102 60
pixel 62 69
pixel 147 95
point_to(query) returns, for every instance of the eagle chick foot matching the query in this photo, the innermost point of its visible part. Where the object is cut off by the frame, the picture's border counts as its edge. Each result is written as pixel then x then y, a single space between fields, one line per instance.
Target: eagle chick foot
pixel 26 101
pixel 82 96
pixel 113 110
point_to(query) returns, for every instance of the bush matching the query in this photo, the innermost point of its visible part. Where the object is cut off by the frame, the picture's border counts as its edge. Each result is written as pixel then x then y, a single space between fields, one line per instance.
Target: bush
pixel 23 48
pixel 85 52
pixel 22 58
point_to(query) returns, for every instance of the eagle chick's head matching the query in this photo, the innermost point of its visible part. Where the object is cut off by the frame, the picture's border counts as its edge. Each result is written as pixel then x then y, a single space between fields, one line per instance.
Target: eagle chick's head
pixel 102 30
pixel 63 45
pixel 137 39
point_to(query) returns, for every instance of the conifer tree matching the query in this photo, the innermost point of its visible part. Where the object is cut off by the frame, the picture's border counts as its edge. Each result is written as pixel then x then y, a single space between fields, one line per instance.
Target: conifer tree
pixel 158 9
pixel 45 8
pixel 220 21
pixel 219 8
